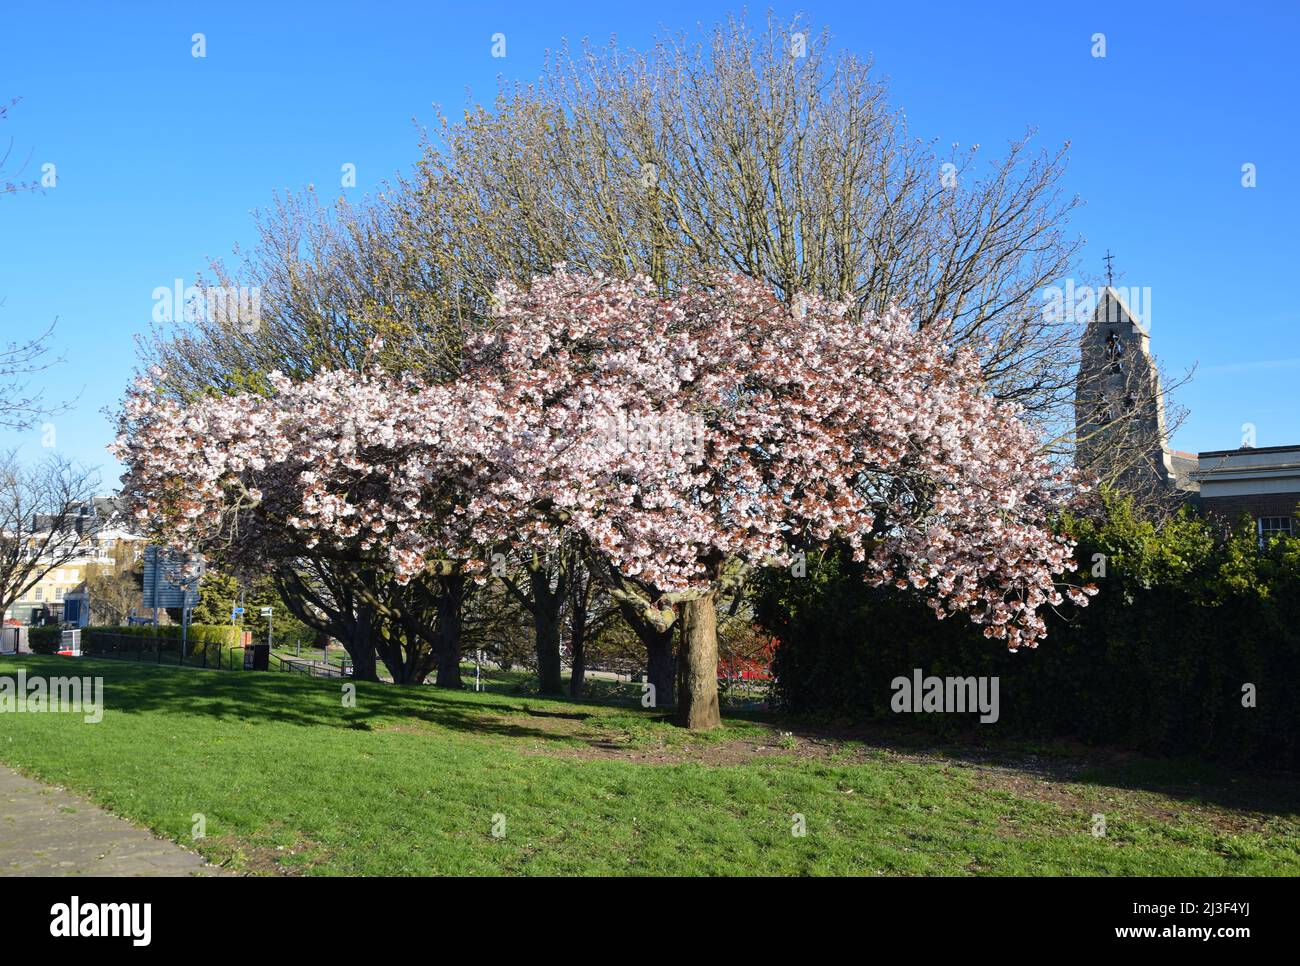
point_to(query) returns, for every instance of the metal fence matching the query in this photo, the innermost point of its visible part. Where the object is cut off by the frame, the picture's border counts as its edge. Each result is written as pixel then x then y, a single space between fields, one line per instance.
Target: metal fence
pixel 735 688
pixel 315 669
pixel 147 649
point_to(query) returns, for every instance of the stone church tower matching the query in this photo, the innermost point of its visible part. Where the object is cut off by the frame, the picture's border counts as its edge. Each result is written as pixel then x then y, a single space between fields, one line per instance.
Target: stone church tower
pixel 1120 408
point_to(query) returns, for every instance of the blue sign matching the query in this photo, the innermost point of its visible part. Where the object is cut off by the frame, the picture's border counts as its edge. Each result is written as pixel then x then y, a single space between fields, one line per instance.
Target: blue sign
pixel 165 582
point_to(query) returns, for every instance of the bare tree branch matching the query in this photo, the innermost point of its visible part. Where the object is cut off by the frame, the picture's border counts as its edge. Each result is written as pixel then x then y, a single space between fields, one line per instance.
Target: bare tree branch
pixel 42 526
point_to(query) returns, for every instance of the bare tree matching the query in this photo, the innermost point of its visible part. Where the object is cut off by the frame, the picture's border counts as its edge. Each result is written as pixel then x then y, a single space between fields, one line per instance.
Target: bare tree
pixel 329 280
pixel 43 523
pixel 757 150
pixel 21 404
pixel 21 359
pixel 8 187
pixel 115 588
pixel 762 152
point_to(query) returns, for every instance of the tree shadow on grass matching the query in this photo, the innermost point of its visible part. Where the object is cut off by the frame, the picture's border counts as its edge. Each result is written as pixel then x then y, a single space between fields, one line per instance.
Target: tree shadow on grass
pixel 1185 779
pixel 566 715
pixel 133 689
pixel 1208 783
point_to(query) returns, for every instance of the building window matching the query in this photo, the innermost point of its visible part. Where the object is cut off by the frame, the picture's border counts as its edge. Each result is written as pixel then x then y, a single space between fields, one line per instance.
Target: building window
pixel 1270 527
pixel 40 593
pixel 58 593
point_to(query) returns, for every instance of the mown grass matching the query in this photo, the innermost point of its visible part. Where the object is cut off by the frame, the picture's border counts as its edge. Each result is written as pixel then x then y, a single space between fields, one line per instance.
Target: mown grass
pixel 411 781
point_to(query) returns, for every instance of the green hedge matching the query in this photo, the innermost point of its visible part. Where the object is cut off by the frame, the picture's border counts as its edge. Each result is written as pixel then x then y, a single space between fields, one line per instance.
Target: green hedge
pixel 44 640
pixel 47 640
pixel 151 638
pixel 1184 618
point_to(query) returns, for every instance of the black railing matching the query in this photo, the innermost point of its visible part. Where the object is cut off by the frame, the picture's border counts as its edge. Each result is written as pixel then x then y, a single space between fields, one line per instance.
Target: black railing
pixel 315 669
pixel 147 649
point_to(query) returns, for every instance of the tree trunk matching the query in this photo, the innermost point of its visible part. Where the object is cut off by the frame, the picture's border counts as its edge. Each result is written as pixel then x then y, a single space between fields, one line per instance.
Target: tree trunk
pixel 352 624
pixel 449 669
pixel 360 645
pixel 364 666
pixel 661 665
pixel 449 621
pixel 697 664
pixel 578 652
pixel 546 628
pixel 548 653
pixel 390 653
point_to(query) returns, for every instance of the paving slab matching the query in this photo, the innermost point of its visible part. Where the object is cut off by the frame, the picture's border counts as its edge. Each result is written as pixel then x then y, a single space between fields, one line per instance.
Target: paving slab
pixel 46 830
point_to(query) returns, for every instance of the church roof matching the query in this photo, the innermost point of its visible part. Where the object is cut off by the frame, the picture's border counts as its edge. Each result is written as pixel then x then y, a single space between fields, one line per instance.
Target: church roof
pixel 1109 294
pixel 1183 466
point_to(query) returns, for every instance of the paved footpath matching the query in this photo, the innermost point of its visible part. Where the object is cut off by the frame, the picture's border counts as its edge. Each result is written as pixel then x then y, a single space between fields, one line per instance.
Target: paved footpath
pixel 49 831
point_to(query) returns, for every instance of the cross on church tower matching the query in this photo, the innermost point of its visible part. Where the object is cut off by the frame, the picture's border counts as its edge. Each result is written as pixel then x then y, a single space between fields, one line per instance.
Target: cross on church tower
pixel 1110 268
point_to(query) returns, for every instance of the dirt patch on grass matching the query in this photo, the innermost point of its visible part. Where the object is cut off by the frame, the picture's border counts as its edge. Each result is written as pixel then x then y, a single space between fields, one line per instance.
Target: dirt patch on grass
pixel 737 752
pixel 404 729
pixel 1155 809
pixel 1054 779
pixel 246 858
pixel 589 739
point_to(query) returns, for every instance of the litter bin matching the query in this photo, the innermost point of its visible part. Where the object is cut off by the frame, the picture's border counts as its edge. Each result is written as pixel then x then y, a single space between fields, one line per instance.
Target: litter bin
pixel 257 657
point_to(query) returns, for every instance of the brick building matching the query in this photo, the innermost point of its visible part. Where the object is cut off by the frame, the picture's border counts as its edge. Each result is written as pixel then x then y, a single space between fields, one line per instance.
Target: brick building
pixel 1263 482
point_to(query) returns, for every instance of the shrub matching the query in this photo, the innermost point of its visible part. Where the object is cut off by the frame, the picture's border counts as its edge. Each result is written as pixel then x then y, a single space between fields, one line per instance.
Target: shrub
pixel 1187 615
pixel 151 638
pixel 44 640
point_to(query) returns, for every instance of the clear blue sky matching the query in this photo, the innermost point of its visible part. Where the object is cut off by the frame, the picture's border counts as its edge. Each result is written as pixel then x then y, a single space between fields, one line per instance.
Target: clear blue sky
pixel 161 156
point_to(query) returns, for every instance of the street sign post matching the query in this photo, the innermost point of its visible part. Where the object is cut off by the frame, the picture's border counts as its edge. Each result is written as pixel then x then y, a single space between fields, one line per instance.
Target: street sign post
pixel 172 579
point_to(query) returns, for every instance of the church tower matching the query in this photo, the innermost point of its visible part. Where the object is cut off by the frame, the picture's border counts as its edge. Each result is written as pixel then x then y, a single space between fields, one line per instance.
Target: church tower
pixel 1120 428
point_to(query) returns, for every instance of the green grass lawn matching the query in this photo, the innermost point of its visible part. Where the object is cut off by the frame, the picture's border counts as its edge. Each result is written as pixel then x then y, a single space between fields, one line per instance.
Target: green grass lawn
pixel 410 781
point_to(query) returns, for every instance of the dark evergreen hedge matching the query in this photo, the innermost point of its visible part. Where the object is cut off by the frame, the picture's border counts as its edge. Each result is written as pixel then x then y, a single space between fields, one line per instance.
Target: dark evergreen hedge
pixel 1184 618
